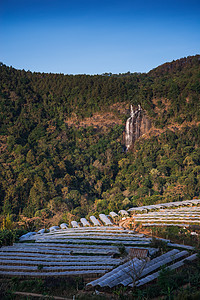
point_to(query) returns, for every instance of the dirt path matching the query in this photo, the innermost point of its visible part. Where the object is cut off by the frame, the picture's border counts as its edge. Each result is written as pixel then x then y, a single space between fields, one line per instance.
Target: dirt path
pixel 125 223
pixel 41 296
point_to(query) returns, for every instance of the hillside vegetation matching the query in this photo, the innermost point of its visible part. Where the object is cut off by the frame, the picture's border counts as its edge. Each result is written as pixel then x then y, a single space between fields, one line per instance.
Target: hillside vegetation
pixel 50 166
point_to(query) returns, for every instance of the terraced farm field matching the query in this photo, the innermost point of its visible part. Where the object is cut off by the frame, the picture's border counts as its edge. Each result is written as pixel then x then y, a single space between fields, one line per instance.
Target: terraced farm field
pixel 74 251
pixel 182 214
pixel 101 254
pixel 91 252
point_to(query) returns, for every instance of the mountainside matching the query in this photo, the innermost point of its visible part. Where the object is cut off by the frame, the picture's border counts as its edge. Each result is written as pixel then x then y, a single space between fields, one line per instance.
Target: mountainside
pixel 62 140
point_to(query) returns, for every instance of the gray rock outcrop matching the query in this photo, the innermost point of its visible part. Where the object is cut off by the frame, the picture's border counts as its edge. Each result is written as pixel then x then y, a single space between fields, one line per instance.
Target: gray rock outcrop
pixel 136 125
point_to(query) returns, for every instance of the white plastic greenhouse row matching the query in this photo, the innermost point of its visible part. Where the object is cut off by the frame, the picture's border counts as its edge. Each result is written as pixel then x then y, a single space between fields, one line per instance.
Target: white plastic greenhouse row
pixel 93 237
pixel 96 241
pixel 125 273
pixel 58 232
pixel 101 240
pixel 76 232
pixel 189 209
pixel 165 205
pixel 173 245
pixel 90 234
pixel 59 263
pixel 155 275
pixel 91 229
pixel 54 274
pixel 161 216
pixel 61 259
pixel 59 252
pixel 56 256
pixel 166 224
pixel 63 246
pixel 174 213
pixel 161 220
pixel 166 218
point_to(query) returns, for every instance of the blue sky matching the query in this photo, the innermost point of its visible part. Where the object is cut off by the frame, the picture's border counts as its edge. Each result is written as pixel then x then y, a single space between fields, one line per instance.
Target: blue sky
pixel 93 37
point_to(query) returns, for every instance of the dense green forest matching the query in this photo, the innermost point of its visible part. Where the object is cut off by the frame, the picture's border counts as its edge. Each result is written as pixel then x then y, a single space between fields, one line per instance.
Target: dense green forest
pixel 47 166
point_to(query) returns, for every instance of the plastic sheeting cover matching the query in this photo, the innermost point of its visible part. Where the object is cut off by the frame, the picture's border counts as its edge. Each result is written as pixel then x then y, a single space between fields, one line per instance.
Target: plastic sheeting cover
pixel 105 219
pixel 95 221
pixel 84 222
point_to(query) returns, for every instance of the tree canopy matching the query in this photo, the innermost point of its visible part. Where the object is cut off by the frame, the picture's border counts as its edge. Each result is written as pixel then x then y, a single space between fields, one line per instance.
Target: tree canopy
pixel 45 163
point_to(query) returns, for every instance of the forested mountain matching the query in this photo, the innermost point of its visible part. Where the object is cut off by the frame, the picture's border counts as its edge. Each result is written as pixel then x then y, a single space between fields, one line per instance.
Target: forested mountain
pixel 54 160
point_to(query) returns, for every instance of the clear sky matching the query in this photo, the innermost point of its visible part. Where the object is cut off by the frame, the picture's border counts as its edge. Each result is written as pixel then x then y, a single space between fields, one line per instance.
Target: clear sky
pixel 97 36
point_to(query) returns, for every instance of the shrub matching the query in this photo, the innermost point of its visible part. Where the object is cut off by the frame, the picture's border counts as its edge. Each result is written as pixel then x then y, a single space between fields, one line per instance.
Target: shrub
pixel 8 237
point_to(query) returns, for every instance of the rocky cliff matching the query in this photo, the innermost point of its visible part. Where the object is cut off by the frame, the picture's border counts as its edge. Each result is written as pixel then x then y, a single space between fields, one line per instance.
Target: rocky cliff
pixel 136 125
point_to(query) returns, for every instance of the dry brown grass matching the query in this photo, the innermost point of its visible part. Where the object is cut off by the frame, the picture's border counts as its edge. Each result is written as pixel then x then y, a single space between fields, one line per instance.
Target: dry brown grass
pixel 103 119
